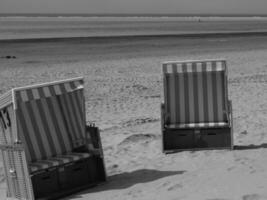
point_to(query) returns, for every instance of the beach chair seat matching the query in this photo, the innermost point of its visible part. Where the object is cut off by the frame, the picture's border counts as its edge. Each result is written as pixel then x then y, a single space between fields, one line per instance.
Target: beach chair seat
pixel 197 125
pixel 49 150
pixel 56 161
pixel 196 112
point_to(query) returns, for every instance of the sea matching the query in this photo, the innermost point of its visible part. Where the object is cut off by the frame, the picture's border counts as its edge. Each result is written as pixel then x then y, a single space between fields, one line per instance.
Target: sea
pixel 27 26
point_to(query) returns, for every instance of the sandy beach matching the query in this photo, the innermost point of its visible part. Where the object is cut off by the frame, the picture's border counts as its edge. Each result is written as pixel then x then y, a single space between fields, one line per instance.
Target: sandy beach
pixel 123 83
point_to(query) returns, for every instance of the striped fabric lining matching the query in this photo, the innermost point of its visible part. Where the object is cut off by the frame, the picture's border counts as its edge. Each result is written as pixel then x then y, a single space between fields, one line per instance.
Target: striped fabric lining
pixel 7 125
pixel 198 125
pixel 195 92
pixel 56 161
pixel 48 91
pixel 198 66
pixel 6 99
pixel 51 119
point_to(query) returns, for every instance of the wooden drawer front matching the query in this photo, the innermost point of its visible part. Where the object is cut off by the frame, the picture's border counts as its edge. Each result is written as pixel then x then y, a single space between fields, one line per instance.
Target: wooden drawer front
pixel 213 138
pixel 73 175
pixel 182 139
pixel 196 138
pixel 93 170
pixel 45 183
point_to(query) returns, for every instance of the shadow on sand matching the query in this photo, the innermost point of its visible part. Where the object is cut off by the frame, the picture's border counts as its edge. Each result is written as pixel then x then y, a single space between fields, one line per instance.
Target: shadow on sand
pixel 128 179
pixel 251 146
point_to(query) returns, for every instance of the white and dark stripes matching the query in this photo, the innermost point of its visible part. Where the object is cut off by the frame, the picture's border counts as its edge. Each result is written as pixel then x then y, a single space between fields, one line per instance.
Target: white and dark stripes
pixel 35 93
pixel 7 125
pixel 51 119
pixel 56 161
pixel 199 125
pixel 178 67
pixel 195 92
pixel 6 99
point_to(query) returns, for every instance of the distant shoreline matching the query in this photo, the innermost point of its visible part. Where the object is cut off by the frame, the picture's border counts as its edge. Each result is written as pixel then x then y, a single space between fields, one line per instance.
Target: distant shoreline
pixel 139 37
pixel 126 15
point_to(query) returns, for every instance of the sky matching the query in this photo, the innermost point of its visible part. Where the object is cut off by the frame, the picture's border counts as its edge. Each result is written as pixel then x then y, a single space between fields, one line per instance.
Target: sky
pixel 135 6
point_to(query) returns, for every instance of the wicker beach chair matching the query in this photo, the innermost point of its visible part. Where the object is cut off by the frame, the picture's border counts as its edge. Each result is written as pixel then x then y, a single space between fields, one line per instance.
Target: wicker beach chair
pixel 196 113
pixel 47 149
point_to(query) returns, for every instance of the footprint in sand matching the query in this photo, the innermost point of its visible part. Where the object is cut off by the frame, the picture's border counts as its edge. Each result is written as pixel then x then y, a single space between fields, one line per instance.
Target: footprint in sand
pixel 174 187
pixel 134 193
pixel 255 78
pixel 230 169
pixel 217 199
pixel 9 57
pixel 138 121
pixel 253 197
pixel 113 169
pixel 166 184
pixel 244 132
pixel 138 138
pixel 2 177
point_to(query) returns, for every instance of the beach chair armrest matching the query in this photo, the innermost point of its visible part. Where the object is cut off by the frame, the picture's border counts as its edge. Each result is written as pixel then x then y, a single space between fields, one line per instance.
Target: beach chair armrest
pixel 94 140
pixel 162 109
pixel 230 112
pixel 229 106
pixel 165 117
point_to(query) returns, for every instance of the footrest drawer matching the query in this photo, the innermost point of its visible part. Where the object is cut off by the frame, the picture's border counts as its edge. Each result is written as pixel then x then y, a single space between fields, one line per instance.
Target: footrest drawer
pixel 73 175
pixel 184 139
pixel 212 138
pixel 45 182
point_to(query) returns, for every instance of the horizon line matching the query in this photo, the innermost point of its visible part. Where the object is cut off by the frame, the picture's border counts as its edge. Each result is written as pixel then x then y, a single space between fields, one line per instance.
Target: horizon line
pixel 136 14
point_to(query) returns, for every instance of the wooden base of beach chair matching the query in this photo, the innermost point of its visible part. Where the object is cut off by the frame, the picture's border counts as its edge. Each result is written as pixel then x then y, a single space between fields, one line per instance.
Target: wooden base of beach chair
pixel 45 183
pixel 195 139
pixel 68 179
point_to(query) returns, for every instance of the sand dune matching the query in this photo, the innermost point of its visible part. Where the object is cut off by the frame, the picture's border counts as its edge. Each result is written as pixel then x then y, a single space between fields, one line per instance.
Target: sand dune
pixel 123 95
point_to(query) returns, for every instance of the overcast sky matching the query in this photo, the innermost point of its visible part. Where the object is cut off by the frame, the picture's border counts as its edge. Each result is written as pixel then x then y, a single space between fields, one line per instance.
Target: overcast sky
pixel 135 6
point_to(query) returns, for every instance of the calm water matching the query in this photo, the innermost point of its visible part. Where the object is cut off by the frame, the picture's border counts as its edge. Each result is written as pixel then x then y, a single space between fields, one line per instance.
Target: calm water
pixel 16 27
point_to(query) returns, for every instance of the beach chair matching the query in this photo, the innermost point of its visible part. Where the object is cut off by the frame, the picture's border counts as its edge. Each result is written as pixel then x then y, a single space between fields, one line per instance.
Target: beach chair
pixel 196 113
pixel 48 150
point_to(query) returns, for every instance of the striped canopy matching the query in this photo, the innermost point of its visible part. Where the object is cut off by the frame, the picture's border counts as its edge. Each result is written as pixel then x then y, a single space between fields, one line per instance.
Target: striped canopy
pixel 50 118
pixel 195 93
